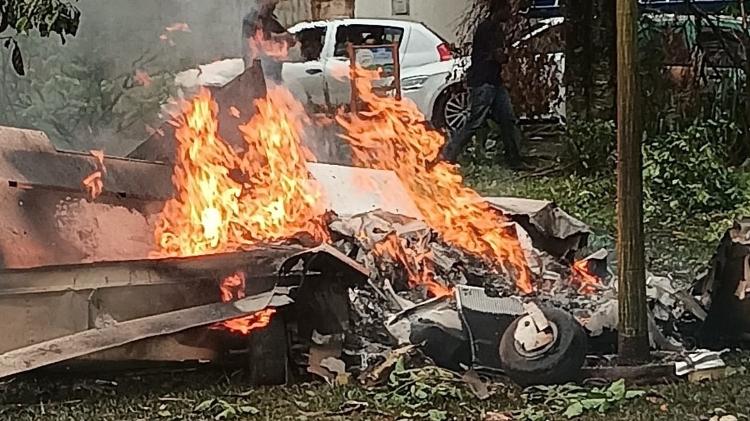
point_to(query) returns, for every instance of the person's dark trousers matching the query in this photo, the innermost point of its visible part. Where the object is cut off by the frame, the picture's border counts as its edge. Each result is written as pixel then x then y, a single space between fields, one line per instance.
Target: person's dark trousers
pixel 487 101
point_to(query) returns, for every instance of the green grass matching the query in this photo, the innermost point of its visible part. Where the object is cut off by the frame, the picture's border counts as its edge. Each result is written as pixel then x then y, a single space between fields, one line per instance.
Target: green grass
pixel 682 250
pixel 209 393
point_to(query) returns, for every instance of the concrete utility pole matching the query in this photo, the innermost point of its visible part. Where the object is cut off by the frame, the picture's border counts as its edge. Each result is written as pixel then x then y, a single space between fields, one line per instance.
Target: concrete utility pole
pixel 633 329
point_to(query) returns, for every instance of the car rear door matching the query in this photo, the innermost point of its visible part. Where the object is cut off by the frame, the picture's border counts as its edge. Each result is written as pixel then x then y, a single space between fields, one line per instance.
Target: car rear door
pixel 336 65
pixel 305 78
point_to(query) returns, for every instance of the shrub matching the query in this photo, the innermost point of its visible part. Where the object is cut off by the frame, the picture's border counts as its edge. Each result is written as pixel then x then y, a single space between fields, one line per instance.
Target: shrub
pixel 79 102
pixel 686 173
pixel 589 147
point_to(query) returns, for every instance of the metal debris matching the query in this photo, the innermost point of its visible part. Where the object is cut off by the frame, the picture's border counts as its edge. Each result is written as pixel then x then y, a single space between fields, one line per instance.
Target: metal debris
pixel 324 361
pixel 698 361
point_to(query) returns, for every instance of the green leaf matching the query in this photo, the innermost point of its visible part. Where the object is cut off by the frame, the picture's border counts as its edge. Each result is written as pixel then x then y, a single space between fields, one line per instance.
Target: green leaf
pixel 617 389
pixel 204 405
pixel 574 410
pixel 437 415
pixel 593 404
pixel 247 409
pixel 227 413
pixel 632 394
pixel 21 24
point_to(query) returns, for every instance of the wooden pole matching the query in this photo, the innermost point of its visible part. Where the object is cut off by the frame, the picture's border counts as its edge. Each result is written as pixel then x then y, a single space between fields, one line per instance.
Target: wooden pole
pixel 633 328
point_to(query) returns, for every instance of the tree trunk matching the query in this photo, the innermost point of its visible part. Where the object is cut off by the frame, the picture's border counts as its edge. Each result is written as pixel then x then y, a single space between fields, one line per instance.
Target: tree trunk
pixel 633 328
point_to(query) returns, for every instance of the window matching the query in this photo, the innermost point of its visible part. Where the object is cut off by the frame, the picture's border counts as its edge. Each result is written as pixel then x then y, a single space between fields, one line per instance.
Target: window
pixel 364 35
pixel 311 42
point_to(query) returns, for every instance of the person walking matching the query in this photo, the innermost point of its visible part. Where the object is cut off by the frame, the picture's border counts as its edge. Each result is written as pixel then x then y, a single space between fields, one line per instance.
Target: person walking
pixel 489 98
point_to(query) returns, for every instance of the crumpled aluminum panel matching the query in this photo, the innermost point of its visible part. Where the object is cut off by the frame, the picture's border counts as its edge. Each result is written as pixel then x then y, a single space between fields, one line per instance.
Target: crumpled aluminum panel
pixel 475 299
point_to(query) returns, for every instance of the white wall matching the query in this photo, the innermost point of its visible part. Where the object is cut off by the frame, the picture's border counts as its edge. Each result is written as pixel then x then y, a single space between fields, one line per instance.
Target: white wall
pixel 442 16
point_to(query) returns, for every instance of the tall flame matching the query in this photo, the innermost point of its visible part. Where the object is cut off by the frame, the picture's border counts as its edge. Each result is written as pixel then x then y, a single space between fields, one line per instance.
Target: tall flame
pixel 227 199
pixel 391 135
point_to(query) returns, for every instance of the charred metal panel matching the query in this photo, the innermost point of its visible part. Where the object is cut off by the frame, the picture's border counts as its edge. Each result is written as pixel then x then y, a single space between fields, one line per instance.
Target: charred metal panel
pixel 240 93
pixel 41 227
pixel 28 159
pixel 33 318
pixel 199 344
pixel 352 191
pixel 45 218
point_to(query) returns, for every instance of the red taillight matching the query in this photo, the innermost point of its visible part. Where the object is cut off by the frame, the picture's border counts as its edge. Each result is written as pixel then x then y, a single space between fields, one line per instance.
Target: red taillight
pixel 444 50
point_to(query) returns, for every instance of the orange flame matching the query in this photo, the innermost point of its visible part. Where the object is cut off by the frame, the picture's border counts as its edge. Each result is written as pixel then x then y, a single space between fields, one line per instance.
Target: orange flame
pixel 391 135
pixel 227 199
pixel 94 182
pixel 233 288
pixel 584 278
pixel 417 267
pixel 260 46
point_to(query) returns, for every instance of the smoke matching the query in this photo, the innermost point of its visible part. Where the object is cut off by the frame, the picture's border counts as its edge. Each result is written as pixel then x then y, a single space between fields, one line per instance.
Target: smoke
pixel 129 52
pixel 90 92
pixel 131 28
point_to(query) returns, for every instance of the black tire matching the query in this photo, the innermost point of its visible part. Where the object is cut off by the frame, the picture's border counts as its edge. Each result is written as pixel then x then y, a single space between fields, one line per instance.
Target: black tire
pixel 438 112
pixel 268 356
pixel 560 364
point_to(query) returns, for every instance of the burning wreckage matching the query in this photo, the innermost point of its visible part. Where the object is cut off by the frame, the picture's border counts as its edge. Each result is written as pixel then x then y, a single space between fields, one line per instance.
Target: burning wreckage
pixel 256 252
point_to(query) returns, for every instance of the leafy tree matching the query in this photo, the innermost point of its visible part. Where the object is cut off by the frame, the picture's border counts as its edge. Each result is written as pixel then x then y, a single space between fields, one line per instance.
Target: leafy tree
pixel 75 98
pixel 590 57
pixel 21 17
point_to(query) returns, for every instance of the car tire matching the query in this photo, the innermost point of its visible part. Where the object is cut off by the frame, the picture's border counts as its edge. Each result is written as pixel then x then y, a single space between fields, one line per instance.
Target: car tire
pixel 451 109
pixel 560 364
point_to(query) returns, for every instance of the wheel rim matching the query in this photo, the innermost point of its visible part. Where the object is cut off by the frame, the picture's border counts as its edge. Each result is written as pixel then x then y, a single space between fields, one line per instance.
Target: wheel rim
pixel 538 353
pixel 456 111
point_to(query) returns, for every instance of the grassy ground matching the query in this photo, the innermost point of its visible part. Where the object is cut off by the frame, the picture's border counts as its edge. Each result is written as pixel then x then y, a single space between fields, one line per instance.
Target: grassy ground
pixel 212 394
pixel 218 395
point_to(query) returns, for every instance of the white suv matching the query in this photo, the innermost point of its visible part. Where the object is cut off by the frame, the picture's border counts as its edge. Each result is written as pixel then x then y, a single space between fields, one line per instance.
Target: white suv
pixel 429 74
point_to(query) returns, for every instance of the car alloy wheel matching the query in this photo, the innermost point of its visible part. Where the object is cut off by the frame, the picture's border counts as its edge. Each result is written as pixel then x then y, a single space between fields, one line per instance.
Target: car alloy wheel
pixel 456 111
